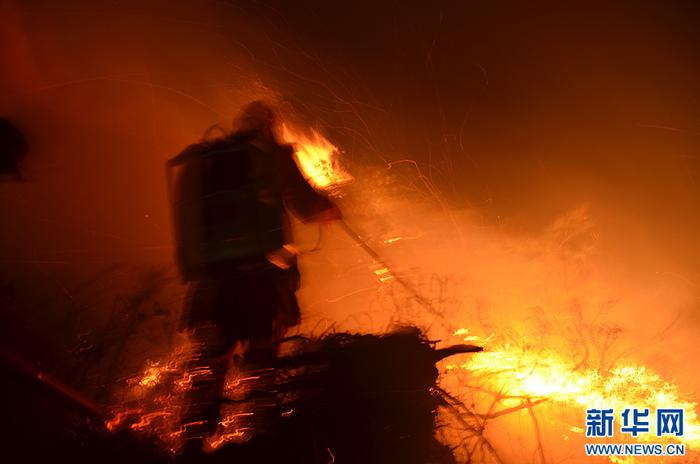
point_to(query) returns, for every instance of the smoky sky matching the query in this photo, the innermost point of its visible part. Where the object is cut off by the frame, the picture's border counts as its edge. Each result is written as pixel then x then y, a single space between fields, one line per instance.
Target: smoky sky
pixel 520 111
pixel 525 108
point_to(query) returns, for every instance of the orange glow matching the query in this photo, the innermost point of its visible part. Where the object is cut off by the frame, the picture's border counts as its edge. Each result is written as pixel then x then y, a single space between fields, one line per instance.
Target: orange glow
pixel 317 157
pixel 152 375
pixel 119 417
pixel 231 429
pixel 520 374
pixel 153 400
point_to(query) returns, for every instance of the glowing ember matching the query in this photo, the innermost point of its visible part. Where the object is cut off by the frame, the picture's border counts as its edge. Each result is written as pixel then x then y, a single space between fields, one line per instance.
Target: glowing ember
pixel 233 428
pixel 152 401
pixel 154 373
pixel 317 158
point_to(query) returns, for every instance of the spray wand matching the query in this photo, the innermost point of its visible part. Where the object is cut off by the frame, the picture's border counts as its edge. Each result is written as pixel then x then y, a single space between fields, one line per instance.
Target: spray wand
pixel 377 257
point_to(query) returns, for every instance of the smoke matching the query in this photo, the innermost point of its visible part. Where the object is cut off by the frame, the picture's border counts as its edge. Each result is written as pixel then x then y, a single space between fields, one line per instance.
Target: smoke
pixel 531 172
pixel 554 291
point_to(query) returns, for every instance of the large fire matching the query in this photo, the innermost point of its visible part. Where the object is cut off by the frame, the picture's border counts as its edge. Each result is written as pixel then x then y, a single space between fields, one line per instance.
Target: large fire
pixel 518 376
pixel 521 379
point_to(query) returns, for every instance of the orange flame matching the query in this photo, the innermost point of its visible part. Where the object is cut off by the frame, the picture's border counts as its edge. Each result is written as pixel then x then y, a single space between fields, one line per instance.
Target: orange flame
pixel 520 374
pixel 317 157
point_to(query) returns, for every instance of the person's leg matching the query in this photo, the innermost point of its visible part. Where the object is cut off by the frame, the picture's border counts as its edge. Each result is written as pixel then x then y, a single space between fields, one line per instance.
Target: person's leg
pixel 207 370
pixel 258 305
pixel 208 373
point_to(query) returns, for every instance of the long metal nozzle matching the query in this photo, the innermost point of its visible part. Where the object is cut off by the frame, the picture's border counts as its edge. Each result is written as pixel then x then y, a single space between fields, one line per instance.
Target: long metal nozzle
pixel 407 285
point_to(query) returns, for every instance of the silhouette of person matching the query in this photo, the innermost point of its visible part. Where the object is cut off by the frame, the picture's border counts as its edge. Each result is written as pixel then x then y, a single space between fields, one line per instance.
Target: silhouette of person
pixel 232 199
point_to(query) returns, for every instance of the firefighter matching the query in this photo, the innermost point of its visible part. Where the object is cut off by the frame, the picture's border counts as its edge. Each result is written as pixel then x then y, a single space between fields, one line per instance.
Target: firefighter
pixel 232 199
